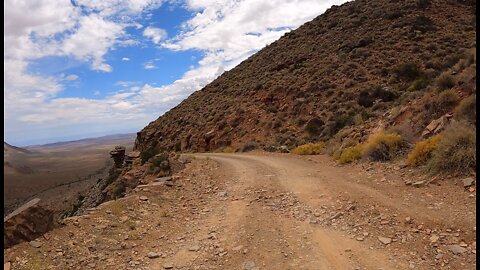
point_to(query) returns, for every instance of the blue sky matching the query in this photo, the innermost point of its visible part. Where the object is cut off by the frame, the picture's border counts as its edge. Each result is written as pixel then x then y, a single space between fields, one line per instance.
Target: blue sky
pixel 84 68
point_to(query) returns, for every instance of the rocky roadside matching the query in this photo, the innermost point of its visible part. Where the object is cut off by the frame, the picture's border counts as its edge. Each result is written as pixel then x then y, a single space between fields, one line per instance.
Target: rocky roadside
pixel 206 218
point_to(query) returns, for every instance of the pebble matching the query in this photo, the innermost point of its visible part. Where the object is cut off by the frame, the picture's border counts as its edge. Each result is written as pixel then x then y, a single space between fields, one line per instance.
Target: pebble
pixel 434 238
pixel 237 248
pixel 35 244
pixel 168 265
pixel 143 198
pixel 249 265
pixel 153 255
pixel 194 248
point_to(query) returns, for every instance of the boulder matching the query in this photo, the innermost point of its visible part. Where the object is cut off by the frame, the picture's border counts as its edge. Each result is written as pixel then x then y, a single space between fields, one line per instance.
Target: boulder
pixel 131 157
pixel 436 126
pixel 26 223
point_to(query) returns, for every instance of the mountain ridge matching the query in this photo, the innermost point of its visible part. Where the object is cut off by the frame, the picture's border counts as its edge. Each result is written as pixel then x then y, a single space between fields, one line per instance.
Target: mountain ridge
pixel 307 85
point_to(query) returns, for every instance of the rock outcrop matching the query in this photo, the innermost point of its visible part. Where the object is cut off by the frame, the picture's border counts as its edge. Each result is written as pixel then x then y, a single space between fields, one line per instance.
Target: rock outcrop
pixel 436 126
pixel 118 155
pixel 26 223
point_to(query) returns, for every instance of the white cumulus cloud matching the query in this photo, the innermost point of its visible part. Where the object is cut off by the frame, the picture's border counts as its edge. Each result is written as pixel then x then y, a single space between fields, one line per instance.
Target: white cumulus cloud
pixel 155 34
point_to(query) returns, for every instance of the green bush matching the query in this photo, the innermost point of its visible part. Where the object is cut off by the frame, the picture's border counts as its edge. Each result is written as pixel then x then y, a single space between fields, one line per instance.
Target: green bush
pixel 424 3
pixel 419 84
pixel 407 71
pixel 160 161
pixel 147 154
pixel 456 152
pixel 314 126
pixel 118 189
pixel 423 24
pixel 367 97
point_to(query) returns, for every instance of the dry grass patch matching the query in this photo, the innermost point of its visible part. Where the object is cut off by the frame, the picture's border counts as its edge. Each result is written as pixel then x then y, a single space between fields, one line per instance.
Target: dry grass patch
pixel 308 149
pixel 423 151
pixel 350 154
pixel 116 207
pixel 228 149
pixel 382 146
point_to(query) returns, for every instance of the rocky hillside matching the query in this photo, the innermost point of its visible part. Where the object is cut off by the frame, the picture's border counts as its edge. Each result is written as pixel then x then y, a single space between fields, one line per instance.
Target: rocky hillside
pixel 350 69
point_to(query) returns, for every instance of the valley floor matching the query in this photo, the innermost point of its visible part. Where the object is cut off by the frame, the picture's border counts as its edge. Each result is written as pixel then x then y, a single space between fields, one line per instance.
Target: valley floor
pixel 269 211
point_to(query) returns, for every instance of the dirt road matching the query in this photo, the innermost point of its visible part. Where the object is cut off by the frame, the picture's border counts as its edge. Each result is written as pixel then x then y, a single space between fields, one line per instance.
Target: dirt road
pixel 272 211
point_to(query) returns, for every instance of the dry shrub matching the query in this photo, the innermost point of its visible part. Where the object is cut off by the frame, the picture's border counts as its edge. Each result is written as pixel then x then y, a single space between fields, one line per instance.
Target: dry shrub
pixel 228 149
pixel 447 99
pixel 456 151
pixel 308 149
pixel 249 146
pixel 445 81
pixel 382 146
pixel 350 154
pixel 423 151
pixel 467 110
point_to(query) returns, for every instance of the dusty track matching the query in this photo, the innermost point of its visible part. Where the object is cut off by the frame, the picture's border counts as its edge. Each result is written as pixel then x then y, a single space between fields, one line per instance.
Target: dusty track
pixel 270 211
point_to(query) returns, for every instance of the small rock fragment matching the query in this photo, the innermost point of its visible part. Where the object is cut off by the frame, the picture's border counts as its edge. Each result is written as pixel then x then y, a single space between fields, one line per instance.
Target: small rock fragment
pixel 456 249
pixel 153 255
pixel 434 238
pixel 194 248
pixel 419 184
pixel 385 240
pixel 35 244
pixel 168 265
pixel 468 182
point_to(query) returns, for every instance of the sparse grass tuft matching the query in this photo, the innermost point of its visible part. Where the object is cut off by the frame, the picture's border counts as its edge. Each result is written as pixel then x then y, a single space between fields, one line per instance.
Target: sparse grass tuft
pixel 131 224
pixel 423 151
pixel 116 208
pixel 308 149
pixel 456 152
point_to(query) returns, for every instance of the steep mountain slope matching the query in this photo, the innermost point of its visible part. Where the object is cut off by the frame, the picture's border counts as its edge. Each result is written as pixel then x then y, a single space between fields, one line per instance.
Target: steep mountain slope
pixel 345 68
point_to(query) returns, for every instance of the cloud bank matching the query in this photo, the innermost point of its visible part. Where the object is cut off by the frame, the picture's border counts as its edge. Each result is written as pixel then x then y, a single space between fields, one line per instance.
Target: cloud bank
pixel 225 33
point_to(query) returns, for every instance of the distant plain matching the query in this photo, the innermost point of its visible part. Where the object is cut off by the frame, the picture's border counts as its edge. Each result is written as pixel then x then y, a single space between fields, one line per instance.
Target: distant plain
pixel 57 173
